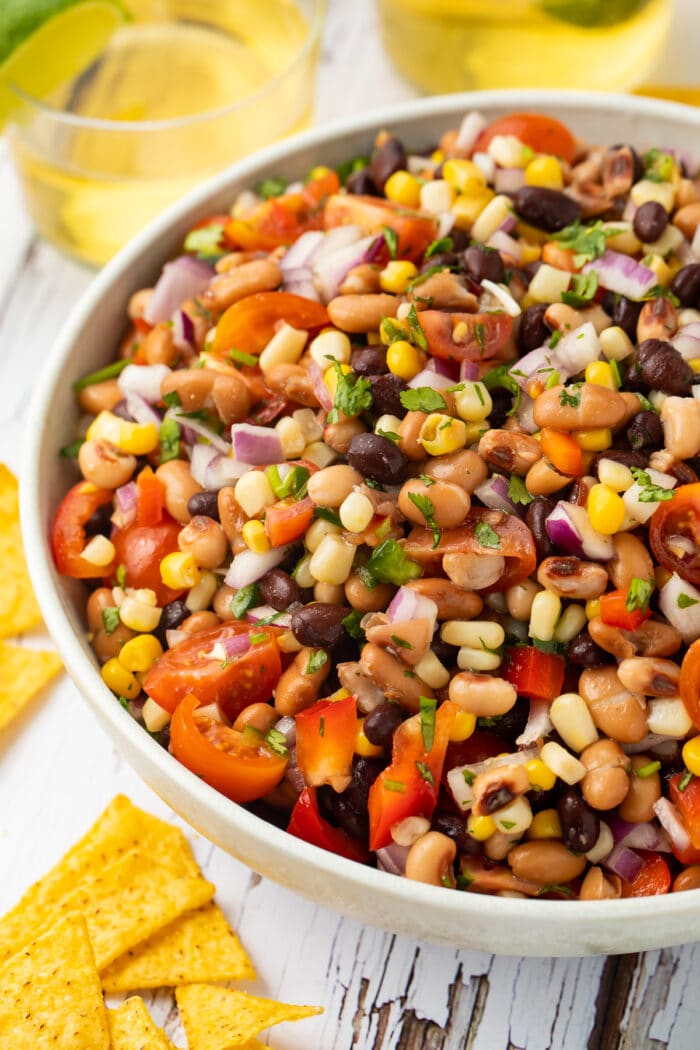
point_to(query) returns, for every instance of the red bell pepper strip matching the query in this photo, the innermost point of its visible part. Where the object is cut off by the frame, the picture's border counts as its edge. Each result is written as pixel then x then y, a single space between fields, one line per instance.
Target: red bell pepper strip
pixel 614 611
pixel 687 802
pixel 150 498
pixel 306 823
pixel 653 880
pixel 325 741
pixel 535 674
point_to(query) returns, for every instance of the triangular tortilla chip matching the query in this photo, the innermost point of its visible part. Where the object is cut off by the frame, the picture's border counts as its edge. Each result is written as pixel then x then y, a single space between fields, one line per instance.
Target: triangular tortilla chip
pixel 198 947
pixel 23 673
pixel 120 828
pixel 220 1018
pixel 51 997
pixel 19 610
pixel 131 1027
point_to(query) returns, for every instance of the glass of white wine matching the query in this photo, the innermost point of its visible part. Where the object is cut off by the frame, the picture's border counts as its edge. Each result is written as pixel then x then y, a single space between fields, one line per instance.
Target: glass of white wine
pixel 183 88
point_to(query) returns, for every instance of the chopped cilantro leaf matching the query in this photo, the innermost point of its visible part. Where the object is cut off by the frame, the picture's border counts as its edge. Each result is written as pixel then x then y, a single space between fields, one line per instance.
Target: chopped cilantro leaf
pixel 316 660
pixel 277 742
pixel 389 435
pixel 326 514
pixel 416 333
pixel 422 399
pixel 444 244
pixel 555 887
pixel 426 480
pixel 499 377
pixel 486 536
pixel 247 598
pixel 425 773
pixel 587 242
pixel 110 619
pixel 353 394
pixel 427 707
pixel 243 358
pixel 650 492
pixel 684 601
pixel 172 399
pixel 567 398
pixel 517 492
pixel 401 642
pixel 257 637
pixel 271 187
pixel 108 372
pixel 468 777
pixel 639 594
pixel 391 240
pixel 351 623
pixel 169 436
pixel 658 166
pixel 426 508
pixel 205 242
pixel 71 451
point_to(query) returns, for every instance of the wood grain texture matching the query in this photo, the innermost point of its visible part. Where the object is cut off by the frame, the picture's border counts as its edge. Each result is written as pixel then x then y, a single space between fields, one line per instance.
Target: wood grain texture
pixel 380 992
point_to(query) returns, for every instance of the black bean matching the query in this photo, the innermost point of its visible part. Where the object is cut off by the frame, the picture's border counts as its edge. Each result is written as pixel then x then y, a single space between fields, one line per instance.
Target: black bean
pixel 279 590
pixel 627 457
pixel 546 209
pixel 533 332
pixel 100 521
pixel 662 367
pixel 386 395
pixel 381 723
pixel 378 458
pixel 361 182
pixel 684 472
pixel 511 724
pixel 449 260
pixel 502 404
pixel 461 239
pixel 164 737
pixel 580 826
pixel 456 829
pixel 583 651
pixel 369 360
pixel 650 221
pixel 535 517
pixel 686 285
pixel 386 159
pixel 624 313
pixel 204 504
pixel 645 431
pixel 355 824
pixel 173 614
pixel 319 624
pixel 364 773
pixel 484 264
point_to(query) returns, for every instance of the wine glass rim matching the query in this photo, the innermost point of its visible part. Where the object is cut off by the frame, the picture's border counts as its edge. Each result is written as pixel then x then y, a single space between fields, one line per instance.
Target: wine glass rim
pixel 76 120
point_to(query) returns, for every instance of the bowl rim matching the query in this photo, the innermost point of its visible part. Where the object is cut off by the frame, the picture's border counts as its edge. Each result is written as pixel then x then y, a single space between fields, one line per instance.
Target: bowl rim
pixel 455 908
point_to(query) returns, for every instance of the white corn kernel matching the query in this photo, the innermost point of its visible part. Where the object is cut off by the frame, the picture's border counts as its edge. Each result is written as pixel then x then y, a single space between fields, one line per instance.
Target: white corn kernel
pixel 664 193
pixel 99 551
pixel 616 475
pixel 302 575
pixel 473 402
pixel 491 218
pixel 138 615
pixel 688 316
pixel 509 151
pixel 200 596
pixel 515 818
pixel 387 424
pixel 403 311
pixel 615 344
pixel 355 512
pixel 285 348
pixel 474 634
pixel 571 623
pixel 317 531
pixel 669 240
pixel 572 721
pixel 431 671
pixel 477 660
pixel 155 717
pixel 308 421
pixel 657 398
pixel 320 453
pixel 548 284
pixel 546 610
pixel 291 437
pixel 562 763
pixel 254 493
pixel 329 593
pixel 331 344
pixel 436 196
pixel 625 240
pixel 604 843
pixel 288 643
pixel 145 595
pixel 667 716
pixel 332 560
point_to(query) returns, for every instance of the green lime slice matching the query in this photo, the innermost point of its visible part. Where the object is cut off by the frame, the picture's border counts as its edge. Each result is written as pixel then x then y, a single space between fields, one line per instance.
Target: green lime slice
pixel 43 44
pixel 593 13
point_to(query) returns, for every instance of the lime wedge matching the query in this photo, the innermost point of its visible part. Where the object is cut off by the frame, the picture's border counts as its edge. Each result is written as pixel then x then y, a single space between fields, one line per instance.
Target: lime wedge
pixel 50 45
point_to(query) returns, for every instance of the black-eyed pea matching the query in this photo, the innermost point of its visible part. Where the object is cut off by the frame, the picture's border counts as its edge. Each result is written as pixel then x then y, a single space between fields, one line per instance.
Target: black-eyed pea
pixel 104 465
pixel 650 676
pixel 178 488
pixel 430 859
pixel 100 397
pixel 512 452
pixel 606 781
pixel 473 571
pixel 571 577
pixel 482 694
pixel 205 540
pixel 545 861
pixel 519 599
pixel 543 480
pixel 445 504
pixel 644 790
pixel 631 561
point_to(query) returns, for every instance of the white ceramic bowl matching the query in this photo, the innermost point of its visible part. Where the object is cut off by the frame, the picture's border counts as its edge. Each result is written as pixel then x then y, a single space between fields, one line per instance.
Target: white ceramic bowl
pixel 88 341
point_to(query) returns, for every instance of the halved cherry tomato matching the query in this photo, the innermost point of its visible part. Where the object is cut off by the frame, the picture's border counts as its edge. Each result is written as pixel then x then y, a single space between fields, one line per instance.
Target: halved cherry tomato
pixel 562 452
pixel 614 611
pixel 514 539
pixel 326 734
pixel 535 674
pixel 238 765
pixel 414 231
pixel 688 803
pixel 251 322
pixel 539 132
pixel 140 549
pixel 653 880
pixel 678 518
pixel 409 786
pixel 68 539
pixel 689 685
pixel 287 520
pixel 246 678
pixel 465 337
pixel 150 498
pixel 561 258
pixel 281 220
pixel 306 823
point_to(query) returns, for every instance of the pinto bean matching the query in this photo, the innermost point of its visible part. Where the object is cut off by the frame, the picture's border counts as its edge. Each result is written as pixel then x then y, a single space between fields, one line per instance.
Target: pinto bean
pixel 338 436
pixel 446 291
pixel 545 861
pixel 638 805
pixel 449 502
pixel 573 578
pixel 616 712
pixel 365 600
pixel 231 397
pixel 543 480
pixel 687 219
pixel 178 488
pixel 393 677
pixel 362 313
pixel 294 381
pixel 192 386
pixel 361 280
pixel 99 397
pixel 108 645
pixel 453 602
pixel 680 417
pixel 409 432
pixel 631 561
pixel 297 690
pixel 688 879
pixel 231 513
pixel 465 468
pixel 597 407
pixel 658 319
pixel 515 453
pixel 99 600
pixel 330 486
pixel 599 885
pixel 158 346
pixel 473 571
pixel 260 275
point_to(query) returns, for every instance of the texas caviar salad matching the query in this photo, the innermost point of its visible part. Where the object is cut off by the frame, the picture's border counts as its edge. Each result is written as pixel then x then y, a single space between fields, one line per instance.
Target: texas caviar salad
pixel 390 513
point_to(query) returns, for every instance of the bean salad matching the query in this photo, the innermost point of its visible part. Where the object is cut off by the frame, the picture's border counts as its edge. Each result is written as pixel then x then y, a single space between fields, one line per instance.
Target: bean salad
pixel 389 510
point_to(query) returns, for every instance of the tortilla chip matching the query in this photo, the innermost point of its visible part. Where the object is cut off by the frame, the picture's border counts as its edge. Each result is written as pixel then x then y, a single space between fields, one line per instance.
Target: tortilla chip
pixel 197 948
pixel 19 610
pixel 220 1018
pixel 121 828
pixel 132 1028
pixel 23 673
pixel 51 996
pixel 9 493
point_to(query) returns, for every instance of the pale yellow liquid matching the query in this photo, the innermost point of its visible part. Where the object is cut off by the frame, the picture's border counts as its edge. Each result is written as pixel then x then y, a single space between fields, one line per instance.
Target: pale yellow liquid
pixel 91 188
pixel 455 45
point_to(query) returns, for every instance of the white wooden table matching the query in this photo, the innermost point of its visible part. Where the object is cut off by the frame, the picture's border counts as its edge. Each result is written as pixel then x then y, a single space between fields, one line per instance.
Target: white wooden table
pixel 380 992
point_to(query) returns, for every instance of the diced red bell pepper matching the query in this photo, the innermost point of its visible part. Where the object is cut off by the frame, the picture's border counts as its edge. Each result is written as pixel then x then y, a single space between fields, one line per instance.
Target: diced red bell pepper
pixel 614 611
pixel 535 674
pixel 325 743
pixel 150 498
pixel 687 802
pixel 653 879
pixel 307 823
pixel 288 520
pixel 281 220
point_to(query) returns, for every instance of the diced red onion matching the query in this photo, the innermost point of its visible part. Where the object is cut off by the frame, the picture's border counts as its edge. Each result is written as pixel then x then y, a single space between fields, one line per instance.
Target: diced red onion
pixel 686 619
pixel 659 746
pixel 140 410
pixel 256 445
pixel 264 612
pixel 468 371
pixel 473 123
pixel 330 270
pixel 298 255
pixel 538 364
pixel 486 164
pixel 624 862
pixel 538 725
pixel 392 859
pixel 636 507
pixel 504 243
pixel 302 284
pixel 182 279
pixel 508 180
pixel 183 331
pixel 671 821
pixel 526 414
pixel 249 567
pixel 174 637
pixel 638 836
pixel 126 498
pixel 623 274
pixel 144 380
pixel 200 458
pixel 320 389
pixel 577 349
pixel 428 377
pixel 201 429
pixel 446 221
pixel 288 728
pixel 408 605
pixel 443 368
pixel 223 470
pixel 235 644
pixel 569 527
pixel 687 340
pixel 493 493
pixel 293 775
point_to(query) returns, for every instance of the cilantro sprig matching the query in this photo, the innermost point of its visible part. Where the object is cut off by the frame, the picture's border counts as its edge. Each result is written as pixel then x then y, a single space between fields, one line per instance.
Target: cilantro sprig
pixel 587 242
pixel 426 507
pixel 353 394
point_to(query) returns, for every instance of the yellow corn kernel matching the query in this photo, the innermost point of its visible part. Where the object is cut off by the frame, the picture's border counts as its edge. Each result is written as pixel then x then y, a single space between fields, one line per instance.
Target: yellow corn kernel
pixel 441 434
pixel 179 570
pixel 330 378
pixel 120 680
pixel 255 537
pixel 319 172
pixel 606 510
pixel 463 726
pixel 403 188
pixel 545 170
pixel 600 373
pixel 594 440
pixel 330 343
pixel 615 475
pixel 404 360
pixel 437 156
pixel 540 776
pixel 545 824
pixel 480 828
pixel 664 273
pixel 397 275
pixel 473 402
pixel 137 438
pixel 339 694
pixel 592 608
pixel 529 253
pixel 691 755
pixel 695 364
pixel 140 653
pixel 139 615
pixel 466 209
pixel 475 432
pixel 388 329
pixel 464 176
pixel 362 744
